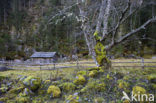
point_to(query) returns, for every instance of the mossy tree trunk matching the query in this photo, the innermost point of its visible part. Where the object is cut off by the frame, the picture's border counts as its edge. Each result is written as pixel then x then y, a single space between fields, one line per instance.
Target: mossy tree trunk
pixel 101 53
pixel 101 56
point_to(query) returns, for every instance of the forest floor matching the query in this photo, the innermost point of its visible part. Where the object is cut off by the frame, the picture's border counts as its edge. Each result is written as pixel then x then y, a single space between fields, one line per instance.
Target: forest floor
pixel 90 84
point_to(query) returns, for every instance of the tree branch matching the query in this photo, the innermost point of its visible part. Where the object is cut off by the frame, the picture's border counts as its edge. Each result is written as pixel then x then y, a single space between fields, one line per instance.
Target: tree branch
pixel 61 12
pixel 106 16
pixel 131 33
pixel 100 17
pixel 119 22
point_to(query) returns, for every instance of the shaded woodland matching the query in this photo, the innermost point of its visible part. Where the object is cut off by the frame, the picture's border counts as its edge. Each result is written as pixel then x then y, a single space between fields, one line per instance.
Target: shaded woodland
pixel 54 25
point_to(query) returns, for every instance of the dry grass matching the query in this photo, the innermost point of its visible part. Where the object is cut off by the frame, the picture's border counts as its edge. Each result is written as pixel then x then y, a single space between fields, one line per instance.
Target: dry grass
pixel 44 74
pixel 50 73
pixel 84 64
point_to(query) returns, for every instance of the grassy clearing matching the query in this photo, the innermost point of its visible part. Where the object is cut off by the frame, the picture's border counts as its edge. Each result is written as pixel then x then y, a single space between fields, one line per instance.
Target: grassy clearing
pixel 44 74
pixel 84 64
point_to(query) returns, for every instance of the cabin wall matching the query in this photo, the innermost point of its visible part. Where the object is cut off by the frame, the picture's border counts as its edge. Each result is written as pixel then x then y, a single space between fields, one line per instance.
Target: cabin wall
pixel 43 60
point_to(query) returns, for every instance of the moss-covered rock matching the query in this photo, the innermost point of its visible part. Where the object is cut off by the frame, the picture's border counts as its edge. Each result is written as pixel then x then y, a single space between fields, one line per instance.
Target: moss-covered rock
pixel 138 89
pixel 68 87
pixel 22 98
pixel 32 82
pixel 73 99
pixel 54 91
pixel 80 80
pixel 93 86
pixel 27 92
pixel 93 73
pixel 16 90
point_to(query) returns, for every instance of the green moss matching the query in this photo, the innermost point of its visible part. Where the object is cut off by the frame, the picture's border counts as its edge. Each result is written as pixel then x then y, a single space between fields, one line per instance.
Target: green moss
pixel 22 98
pixel 37 101
pixel 138 89
pixel 27 92
pixel 4 99
pixel 16 90
pixel 101 55
pixel 68 87
pixel 2 77
pixel 126 101
pixel 93 86
pixel 99 100
pixel 100 51
pixel 3 89
pixel 80 80
pixel 127 77
pixel 152 78
pixel 54 91
pixel 101 70
pixel 95 68
pixel 93 73
pixel 41 92
pixel 73 99
pixel 11 101
pixel 47 81
pixel 32 82
pixel 122 84
pixel 84 73
pixel 101 87
pixel 153 86
pixel 97 37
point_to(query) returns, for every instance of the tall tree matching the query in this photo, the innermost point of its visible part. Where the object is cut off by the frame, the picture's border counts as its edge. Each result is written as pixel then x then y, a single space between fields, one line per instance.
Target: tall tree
pixel 109 17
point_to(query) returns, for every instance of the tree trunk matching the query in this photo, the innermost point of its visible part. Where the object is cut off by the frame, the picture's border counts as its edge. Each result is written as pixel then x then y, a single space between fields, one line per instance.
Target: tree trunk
pixel 101 56
pixel 101 53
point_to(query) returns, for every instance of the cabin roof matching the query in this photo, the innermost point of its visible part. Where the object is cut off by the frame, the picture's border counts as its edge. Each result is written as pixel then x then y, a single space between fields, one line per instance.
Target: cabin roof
pixel 43 55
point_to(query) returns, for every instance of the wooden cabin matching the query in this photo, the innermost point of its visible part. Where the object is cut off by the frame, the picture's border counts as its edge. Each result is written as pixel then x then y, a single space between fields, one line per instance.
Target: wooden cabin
pixel 44 57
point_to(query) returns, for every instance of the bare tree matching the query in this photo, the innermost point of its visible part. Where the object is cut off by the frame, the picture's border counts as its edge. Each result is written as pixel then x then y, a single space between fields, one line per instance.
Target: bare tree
pixel 107 16
pixel 101 21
